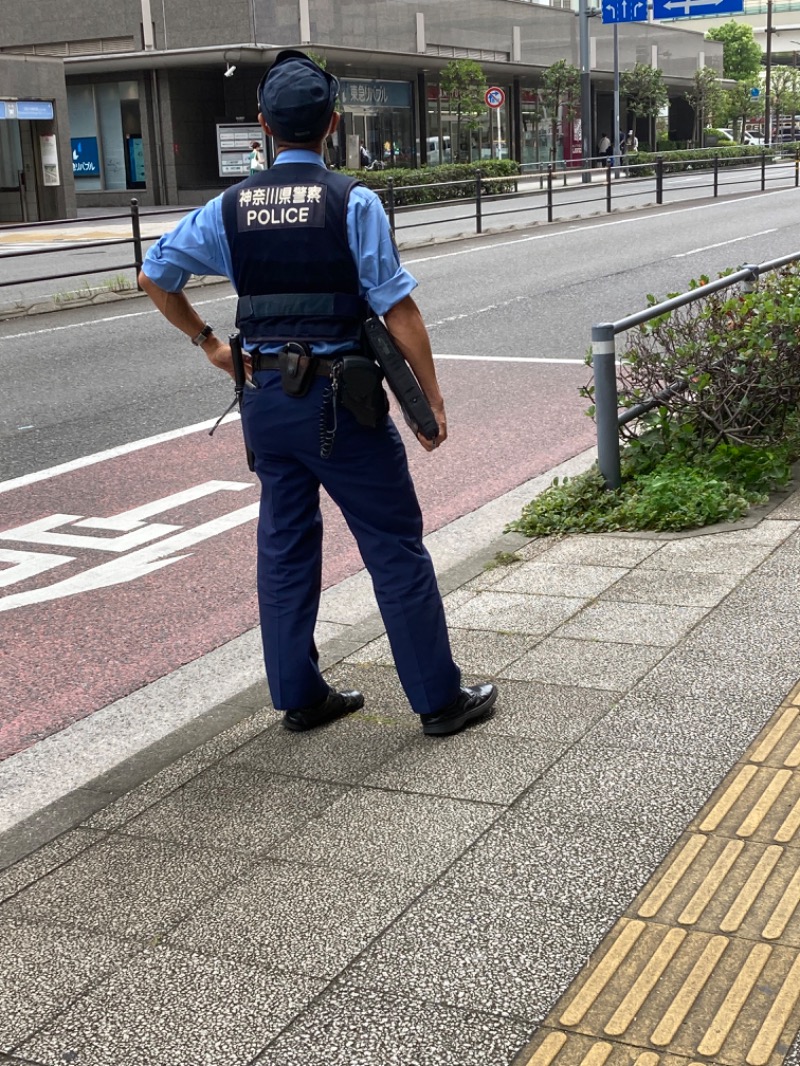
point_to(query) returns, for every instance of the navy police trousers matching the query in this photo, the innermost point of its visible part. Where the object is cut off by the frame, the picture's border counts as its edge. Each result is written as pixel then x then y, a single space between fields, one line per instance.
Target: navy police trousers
pixel 367 477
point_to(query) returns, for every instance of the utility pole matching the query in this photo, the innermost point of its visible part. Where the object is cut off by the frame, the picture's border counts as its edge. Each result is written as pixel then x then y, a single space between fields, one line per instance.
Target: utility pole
pixel 617 117
pixel 586 88
pixel 767 80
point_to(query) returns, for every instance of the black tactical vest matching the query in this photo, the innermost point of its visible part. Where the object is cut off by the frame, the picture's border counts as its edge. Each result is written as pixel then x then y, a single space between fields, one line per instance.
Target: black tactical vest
pixel 292 266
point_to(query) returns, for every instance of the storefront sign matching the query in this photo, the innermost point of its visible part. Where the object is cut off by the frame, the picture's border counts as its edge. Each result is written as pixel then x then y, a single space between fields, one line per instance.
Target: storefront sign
pixel 373 93
pixel 26 109
pixel 85 157
pixel 34 109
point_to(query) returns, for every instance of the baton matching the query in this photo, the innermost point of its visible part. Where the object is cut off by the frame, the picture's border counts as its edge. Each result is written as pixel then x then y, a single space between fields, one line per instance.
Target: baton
pixel 239 382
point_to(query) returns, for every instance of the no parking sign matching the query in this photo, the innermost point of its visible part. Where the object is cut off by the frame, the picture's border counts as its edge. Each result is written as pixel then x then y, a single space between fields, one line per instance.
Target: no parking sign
pixel 494 96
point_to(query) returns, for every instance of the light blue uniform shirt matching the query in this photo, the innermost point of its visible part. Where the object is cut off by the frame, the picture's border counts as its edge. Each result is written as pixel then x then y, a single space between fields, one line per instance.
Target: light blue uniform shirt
pixel 198 245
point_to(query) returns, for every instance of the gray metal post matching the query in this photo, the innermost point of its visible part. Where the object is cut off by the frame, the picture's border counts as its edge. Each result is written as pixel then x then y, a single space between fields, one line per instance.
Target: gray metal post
pixel 617 116
pixel 478 205
pixel 390 202
pixel 586 89
pixel 136 231
pixel 606 403
pixel 751 283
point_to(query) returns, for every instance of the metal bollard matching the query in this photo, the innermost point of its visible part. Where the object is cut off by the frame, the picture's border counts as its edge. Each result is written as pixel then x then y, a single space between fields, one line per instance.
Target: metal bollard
pixel 136 229
pixel 478 205
pixel 608 187
pixel 659 180
pixel 716 175
pixel 390 201
pixel 796 167
pixel 549 192
pixel 763 170
pixel 606 403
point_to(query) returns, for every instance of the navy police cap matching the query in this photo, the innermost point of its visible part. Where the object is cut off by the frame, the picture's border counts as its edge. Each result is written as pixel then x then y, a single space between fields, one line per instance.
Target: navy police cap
pixel 296 97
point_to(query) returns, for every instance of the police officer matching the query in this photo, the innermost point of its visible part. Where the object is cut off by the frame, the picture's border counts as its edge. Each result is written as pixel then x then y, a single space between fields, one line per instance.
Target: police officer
pixel 310 254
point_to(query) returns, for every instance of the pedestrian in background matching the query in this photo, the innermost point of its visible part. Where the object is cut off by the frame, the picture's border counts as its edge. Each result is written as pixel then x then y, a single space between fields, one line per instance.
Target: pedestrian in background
pixel 257 161
pixel 310 263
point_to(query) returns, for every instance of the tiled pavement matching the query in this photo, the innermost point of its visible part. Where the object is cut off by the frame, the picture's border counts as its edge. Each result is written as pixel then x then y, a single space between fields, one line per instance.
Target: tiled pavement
pixel 364 895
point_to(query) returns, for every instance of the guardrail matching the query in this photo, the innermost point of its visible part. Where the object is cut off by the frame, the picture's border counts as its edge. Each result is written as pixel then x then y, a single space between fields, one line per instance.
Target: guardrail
pixel 608 418
pixel 475 201
pixel 135 239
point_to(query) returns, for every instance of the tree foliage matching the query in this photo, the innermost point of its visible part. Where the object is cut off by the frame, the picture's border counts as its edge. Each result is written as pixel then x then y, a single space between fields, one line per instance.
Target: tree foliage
pixel 741 105
pixel 741 53
pixel 646 93
pixel 560 94
pixel 705 98
pixel 464 83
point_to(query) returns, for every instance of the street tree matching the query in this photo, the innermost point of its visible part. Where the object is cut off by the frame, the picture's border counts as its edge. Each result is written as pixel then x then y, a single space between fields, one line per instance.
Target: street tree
pixel 646 94
pixel 741 105
pixel 560 94
pixel 706 99
pixel 784 97
pixel 741 53
pixel 464 83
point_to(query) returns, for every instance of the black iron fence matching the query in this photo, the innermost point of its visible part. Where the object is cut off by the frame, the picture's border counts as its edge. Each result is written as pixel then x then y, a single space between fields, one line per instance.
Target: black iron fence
pixel 481 199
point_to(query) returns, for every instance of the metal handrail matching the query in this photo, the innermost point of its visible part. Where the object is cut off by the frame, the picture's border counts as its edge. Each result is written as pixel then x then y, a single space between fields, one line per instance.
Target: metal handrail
pixel 608 418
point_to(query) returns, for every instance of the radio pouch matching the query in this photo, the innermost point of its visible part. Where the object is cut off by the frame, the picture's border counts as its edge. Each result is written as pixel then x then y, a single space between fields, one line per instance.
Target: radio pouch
pixel 362 390
pixel 298 368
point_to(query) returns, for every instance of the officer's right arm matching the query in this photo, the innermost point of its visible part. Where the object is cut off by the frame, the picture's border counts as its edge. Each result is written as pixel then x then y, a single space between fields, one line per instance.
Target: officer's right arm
pixel 408 331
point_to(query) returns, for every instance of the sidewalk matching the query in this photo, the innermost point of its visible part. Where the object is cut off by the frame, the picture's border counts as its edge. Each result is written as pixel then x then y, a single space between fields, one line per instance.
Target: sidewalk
pixel 610 867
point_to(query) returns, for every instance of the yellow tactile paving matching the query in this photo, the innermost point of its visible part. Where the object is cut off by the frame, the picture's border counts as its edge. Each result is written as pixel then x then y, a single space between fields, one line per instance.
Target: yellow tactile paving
pixel 705 965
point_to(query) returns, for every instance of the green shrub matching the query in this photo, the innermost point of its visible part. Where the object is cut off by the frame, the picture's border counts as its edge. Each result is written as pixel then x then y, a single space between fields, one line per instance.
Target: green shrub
pixel 417 186
pixel 713 448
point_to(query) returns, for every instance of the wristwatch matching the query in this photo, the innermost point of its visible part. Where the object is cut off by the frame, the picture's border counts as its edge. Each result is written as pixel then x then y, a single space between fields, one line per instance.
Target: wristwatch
pixel 203 335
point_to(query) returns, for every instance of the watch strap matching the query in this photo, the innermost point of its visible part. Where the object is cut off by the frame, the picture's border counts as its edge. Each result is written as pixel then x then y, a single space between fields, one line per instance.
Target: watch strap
pixel 203 335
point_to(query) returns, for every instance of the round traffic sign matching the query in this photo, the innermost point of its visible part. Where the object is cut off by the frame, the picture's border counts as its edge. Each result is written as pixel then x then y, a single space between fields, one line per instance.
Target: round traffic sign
pixel 494 96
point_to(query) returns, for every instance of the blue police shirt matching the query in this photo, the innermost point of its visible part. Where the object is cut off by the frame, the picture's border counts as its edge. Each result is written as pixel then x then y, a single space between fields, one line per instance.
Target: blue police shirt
pixel 198 245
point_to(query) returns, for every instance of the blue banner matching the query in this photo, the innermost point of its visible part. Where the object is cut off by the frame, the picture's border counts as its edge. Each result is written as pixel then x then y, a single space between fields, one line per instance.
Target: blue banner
pixel 85 157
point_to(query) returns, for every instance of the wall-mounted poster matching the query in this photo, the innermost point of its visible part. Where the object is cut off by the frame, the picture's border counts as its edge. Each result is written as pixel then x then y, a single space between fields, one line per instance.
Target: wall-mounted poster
pixel 85 157
pixel 49 153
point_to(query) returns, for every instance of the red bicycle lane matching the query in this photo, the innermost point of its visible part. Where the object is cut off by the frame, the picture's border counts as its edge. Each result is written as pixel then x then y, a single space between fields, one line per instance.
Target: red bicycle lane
pixel 117 573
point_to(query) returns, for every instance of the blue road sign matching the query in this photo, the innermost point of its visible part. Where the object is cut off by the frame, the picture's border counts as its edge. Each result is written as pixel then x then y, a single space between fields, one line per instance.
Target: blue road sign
pixel 681 9
pixel 755 93
pixel 624 11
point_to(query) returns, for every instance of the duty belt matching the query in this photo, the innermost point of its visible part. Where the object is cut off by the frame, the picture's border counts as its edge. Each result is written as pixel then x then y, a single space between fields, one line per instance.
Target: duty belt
pixel 270 362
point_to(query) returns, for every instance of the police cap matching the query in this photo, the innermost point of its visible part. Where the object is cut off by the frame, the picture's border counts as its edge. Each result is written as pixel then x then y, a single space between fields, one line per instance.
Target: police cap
pixel 296 97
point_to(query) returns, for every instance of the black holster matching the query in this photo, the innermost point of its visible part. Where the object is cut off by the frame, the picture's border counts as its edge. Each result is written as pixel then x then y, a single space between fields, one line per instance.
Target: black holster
pixel 298 368
pixel 361 385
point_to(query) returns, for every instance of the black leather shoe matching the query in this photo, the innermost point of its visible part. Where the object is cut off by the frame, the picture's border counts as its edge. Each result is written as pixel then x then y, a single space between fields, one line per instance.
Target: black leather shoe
pixel 471 704
pixel 335 705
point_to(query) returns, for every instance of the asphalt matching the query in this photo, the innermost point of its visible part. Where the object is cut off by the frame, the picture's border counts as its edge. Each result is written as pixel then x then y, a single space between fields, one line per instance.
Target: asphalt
pixel 606 871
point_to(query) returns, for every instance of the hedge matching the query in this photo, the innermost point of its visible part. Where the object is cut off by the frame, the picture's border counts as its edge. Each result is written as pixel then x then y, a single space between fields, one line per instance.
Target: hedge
pixel 424 179
pixel 727 156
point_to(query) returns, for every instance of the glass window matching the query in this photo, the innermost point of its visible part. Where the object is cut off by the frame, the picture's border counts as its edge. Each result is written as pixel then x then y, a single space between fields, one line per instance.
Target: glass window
pixel 106 126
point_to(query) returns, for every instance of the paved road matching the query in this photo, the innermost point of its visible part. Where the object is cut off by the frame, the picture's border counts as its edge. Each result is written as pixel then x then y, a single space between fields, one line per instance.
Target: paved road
pixel 510 319
pixel 106 267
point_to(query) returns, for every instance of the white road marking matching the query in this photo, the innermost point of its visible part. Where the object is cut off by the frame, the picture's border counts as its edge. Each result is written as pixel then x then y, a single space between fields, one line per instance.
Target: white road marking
pixel 131 524
pixel 110 453
pixel 144 561
pixel 510 359
pixel 722 244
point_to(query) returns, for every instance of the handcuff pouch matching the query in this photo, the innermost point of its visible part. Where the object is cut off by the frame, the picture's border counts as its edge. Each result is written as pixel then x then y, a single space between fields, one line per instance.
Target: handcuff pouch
pixel 361 385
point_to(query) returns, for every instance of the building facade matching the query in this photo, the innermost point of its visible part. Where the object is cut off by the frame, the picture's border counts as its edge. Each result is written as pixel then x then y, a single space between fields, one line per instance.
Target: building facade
pixel 161 98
